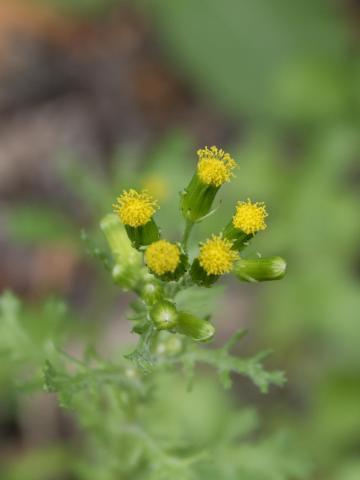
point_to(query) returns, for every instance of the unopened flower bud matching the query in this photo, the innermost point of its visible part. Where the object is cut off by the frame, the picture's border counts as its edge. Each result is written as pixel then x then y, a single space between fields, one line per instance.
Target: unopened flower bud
pixel 164 315
pixel 260 269
pixel 196 328
pixel 151 292
pixel 127 259
pixel 169 345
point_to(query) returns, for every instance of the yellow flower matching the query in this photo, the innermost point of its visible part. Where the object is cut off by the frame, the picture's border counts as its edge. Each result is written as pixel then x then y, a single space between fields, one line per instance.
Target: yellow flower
pixel 250 217
pixel 216 255
pixel 162 257
pixel 215 166
pixel 135 209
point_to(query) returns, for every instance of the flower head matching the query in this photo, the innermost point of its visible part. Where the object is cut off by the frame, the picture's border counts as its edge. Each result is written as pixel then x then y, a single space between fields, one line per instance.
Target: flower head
pixel 215 166
pixel 250 217
pixel 135 208
pixel 162 257
pixel 164 315
pixel 216 255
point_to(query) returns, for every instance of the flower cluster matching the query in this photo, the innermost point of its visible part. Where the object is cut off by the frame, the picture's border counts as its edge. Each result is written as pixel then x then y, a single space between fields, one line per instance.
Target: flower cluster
pixel 168 263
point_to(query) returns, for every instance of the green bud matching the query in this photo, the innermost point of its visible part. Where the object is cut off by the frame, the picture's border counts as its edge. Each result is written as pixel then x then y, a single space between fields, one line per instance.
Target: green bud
pixel 260 269
pixel 200 277
pixel 169 345
pixel 118 241
pixel 151 292
pixel 196 328
pixel 147 276
pixel 126 276
pixel 197 199
pixel 164 315
pixel 127 260
pixel 143 235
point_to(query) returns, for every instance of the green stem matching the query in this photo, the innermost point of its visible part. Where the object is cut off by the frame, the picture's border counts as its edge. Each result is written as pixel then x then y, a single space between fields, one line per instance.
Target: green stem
pixel 188 227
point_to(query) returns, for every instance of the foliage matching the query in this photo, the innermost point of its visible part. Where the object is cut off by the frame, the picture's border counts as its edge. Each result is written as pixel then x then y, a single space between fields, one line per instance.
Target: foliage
pixel 143 426
pixel 129 411
pixel 318 342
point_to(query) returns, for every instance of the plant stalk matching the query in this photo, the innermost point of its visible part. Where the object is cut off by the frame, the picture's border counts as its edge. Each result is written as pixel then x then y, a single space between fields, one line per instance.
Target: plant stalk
pixel 188 227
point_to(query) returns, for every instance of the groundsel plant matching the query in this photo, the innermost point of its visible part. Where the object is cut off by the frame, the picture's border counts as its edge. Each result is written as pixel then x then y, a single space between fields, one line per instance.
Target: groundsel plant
pixel 159 271
pixel 138 420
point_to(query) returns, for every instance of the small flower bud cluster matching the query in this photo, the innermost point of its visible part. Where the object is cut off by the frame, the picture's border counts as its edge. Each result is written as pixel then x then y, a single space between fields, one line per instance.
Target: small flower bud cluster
pixel 165 316
pixel 169 263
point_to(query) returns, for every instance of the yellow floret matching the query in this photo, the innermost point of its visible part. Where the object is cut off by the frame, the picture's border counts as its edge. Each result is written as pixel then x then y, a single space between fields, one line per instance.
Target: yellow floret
pixel 215 166
pixel 250 217
pixel 216 255
pixel 162 257
pixel 135 208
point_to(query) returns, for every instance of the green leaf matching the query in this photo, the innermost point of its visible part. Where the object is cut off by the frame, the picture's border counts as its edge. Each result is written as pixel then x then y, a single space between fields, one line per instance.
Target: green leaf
pixel 88 380
pixel 142 356
pixel 227 364
pixel 56 382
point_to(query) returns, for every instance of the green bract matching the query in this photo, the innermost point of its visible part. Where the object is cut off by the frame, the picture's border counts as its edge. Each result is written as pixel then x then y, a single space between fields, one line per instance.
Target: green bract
pixel 125 271
pixel 239 238
pixel 197 199
pixel 144 234
pixel 260 269
pixel 195 328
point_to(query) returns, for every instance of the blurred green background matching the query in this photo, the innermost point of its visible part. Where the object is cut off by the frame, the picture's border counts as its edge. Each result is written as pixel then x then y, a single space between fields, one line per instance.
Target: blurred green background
pixel 101 95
